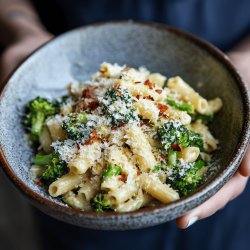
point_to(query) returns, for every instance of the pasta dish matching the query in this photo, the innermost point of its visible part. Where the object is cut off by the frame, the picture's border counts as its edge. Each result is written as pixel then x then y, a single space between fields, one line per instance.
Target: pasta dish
pixel 125 139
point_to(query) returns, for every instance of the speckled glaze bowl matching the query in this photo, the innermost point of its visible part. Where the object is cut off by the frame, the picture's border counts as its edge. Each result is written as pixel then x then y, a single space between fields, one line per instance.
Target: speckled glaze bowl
pixel 74 56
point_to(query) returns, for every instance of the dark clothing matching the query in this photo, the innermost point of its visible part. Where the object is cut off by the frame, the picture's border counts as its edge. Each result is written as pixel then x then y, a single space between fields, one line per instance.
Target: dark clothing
pixel 222 22
pixel 228 229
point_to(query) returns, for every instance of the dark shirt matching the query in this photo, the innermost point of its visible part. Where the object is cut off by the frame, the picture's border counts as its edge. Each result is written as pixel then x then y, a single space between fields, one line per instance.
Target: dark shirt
pixel 222 22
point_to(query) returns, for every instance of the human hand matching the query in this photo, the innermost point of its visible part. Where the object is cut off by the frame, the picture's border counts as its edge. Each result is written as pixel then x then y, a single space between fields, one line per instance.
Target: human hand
pixel 19 50
pixel 236 185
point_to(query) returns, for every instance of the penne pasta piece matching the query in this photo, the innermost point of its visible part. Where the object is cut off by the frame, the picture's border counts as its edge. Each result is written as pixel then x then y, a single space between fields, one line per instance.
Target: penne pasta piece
pixel 210 143
pixel 76 201
pixel 55 128
pixel 182 116
pixel 111 70
pixel 132 204
pixel 188 94
pixel 140 90
pixel 189 154
pixel 123 193
pixel 88 156
pixel 141 148
pixel 147 109
pixel 157 79
pixel 46 140
pixel 64 184
pixel 157 189
pixel 215 105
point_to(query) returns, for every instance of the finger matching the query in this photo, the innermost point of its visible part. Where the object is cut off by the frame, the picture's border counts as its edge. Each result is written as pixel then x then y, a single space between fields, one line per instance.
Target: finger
pixel 245 164
pixel 231 190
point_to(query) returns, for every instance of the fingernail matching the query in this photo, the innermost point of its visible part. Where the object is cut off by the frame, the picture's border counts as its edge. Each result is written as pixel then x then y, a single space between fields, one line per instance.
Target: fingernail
pixel 192 221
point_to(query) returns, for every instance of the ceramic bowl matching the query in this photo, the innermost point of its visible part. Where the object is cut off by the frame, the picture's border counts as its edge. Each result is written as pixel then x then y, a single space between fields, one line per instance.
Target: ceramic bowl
pixel 74 56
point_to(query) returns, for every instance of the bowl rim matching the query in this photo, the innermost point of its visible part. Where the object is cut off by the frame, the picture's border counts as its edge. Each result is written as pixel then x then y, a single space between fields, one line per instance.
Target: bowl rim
pixel 211 186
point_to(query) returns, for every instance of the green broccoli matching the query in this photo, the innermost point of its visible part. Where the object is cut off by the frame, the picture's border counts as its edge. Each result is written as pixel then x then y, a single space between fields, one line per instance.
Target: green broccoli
pixel 191 179
pixel 174 133
pixel 55 167
pixel 112 170
pixel 206 118
pixel 43 159
pixel 156 168
pixel 181 105
pixel 37 110
pixel 172 157
pixel 100 203
pixel 76 127
pixel 118 105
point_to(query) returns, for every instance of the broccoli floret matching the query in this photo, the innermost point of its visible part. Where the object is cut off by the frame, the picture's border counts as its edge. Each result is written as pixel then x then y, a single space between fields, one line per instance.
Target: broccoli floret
pixel 55 167
pixel 156 168
pixel 43 159
pixel 118 105
pixel 112 170
pixel 100 203
pixel 172 157
pixel 174 133
pixel 37 111
pixel 181 105
pixel 76 127
pixel 191 180
pixel 205 118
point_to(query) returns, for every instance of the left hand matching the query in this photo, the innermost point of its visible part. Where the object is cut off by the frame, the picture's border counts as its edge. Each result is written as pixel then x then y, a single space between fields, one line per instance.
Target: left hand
pixel 237 183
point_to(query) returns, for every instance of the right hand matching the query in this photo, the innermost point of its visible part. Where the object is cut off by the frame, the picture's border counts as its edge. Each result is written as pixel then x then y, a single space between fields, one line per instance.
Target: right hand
pixel 18 51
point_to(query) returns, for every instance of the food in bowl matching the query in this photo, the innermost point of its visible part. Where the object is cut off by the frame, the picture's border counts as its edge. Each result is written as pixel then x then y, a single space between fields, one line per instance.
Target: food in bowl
pixel 125 139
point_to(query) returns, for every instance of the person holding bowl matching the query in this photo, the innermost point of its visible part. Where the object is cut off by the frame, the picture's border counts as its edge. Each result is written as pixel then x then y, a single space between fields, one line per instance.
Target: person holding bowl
pixel 25 26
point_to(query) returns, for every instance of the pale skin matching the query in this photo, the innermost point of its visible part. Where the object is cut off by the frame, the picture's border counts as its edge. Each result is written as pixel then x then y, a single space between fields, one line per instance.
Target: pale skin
pixel 23 33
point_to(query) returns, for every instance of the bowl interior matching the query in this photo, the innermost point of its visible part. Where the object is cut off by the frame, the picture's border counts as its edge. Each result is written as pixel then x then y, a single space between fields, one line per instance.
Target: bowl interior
pixel 74 56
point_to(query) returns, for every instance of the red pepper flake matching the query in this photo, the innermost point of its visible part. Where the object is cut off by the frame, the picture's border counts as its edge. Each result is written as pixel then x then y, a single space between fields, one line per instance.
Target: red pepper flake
pixel 122 124
pixel 149 84
pixel 138 173
pixel 122 178
pixel 137 82
pixel 165 116
pixel 93 105
pixel 93 138
pixel 137 97
pixel 116 85
pixel 163 157
pixel 159 91
pixel 94 132
pixel 86 93
pixel 162 107
pixel 114 128
pixel 148 97
pixel 146 122
pixel 119 93
pixel 176 147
